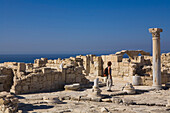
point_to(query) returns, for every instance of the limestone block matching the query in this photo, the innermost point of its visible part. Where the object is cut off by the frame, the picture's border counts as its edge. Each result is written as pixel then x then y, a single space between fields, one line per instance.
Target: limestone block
pixel 75 98
pixel 35 78
pixel 52 100
pixel 46 70
pixel 3 78
pixel 116 100
pixel 107 100
pixel 29 66
pixel 127 102
pixel 1 87
pixel 104 110
pixel 126 64
pixel 18 88
pixel 85 99
pixel 73 87
pixel 44 60
pixel 129 88
pixel 137 80
pixel 148 82
pixel 168 103
pixel 118 58
pixel 56 77
pixel 96 99
pixel 25 88
pixel 21 67
pixel 78 79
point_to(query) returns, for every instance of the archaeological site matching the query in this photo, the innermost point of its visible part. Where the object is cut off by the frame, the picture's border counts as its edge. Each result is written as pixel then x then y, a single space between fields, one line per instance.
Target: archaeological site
pixel 141 83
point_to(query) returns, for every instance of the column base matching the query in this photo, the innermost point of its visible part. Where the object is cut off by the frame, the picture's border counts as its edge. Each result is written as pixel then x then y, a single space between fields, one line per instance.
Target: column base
pixel 157 87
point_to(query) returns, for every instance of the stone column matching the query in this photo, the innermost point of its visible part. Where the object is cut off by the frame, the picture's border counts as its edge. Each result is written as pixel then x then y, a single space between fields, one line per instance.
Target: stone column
pixel 156 57
pixel 96 82
pixel 95 92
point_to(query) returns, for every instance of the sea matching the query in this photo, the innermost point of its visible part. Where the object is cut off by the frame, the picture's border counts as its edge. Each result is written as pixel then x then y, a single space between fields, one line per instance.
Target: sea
pixel 29 58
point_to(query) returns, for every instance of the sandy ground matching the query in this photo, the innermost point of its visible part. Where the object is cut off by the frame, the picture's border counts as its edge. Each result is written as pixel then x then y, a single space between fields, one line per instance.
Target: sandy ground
pixel 146 101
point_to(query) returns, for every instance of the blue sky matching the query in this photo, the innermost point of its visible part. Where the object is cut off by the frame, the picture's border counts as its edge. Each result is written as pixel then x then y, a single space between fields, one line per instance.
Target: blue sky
pixel 81 26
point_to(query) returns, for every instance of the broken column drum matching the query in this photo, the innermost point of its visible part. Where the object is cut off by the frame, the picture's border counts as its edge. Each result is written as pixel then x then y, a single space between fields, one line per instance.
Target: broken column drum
pixel 96 91
pixel 156 57
pixel 96 82
pixel 136 80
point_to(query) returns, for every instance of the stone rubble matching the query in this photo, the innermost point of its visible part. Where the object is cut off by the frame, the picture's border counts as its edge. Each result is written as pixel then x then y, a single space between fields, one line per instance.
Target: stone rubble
pixel 129 89
pixel 74 87
pixel 8 103
pixel 75 74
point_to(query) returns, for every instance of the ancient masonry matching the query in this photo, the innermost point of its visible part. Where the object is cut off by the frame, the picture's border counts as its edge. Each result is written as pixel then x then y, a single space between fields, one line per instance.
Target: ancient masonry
pixel 156 57
pixel 41 76
pixel 52 75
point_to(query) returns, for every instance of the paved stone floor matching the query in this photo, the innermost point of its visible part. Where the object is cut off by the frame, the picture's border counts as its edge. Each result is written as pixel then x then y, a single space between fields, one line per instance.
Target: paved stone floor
pixel 146 101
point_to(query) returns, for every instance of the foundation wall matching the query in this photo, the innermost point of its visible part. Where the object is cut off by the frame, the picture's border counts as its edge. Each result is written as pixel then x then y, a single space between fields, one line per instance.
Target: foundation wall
pixel 47 79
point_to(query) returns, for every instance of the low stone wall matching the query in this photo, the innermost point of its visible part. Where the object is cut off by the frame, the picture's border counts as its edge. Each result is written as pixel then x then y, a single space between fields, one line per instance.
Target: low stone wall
pixel 6 78
pixel 47 79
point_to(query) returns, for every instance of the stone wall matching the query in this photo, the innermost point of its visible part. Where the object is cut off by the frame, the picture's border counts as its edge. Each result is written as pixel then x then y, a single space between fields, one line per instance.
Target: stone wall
pixel 47 79
pixel 6 78
pixel 165 67
pixel 125 68
pixel 51 75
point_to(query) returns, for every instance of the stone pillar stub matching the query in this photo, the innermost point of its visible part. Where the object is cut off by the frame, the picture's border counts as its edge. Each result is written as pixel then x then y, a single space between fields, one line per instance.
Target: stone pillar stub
pixel 95 92
pixel 156 57
pixel 96 82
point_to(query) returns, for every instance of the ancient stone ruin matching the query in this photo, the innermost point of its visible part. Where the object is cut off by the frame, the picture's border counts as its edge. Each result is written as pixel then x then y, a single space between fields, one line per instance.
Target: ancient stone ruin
pixel 21 78
pixel 47 75
pixel 76 74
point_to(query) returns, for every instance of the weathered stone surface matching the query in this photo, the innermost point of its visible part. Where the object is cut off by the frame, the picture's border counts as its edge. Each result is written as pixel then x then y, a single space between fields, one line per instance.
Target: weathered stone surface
pixel 104 110
pixel 73 87
pixel 45 75
pixel 96 99
pixel 147 101
pixel 21 67
pixel 168 103
pixel 107 100
pixel 95 91
pixel 156 57
pixel 49 79
pixel 6 78
pixel 52 100
pixel 116 100
pixel 127 102
pixel 85 99
pixel 129 88
pixel 8 103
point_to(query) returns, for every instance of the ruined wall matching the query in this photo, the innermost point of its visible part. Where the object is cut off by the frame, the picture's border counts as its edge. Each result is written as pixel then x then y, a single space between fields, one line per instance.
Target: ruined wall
pixel 92 65
pixel 47 79
pixel 96 67
pixel 47 75
pixel 6 78
pixel 43 80
pixel 165 67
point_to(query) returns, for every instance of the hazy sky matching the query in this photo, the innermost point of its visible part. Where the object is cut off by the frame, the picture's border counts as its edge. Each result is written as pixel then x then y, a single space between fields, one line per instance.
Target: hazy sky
pixel 81 26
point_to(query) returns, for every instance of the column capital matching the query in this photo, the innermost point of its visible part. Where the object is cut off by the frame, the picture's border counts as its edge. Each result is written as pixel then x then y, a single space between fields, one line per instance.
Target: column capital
pixel 155 31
